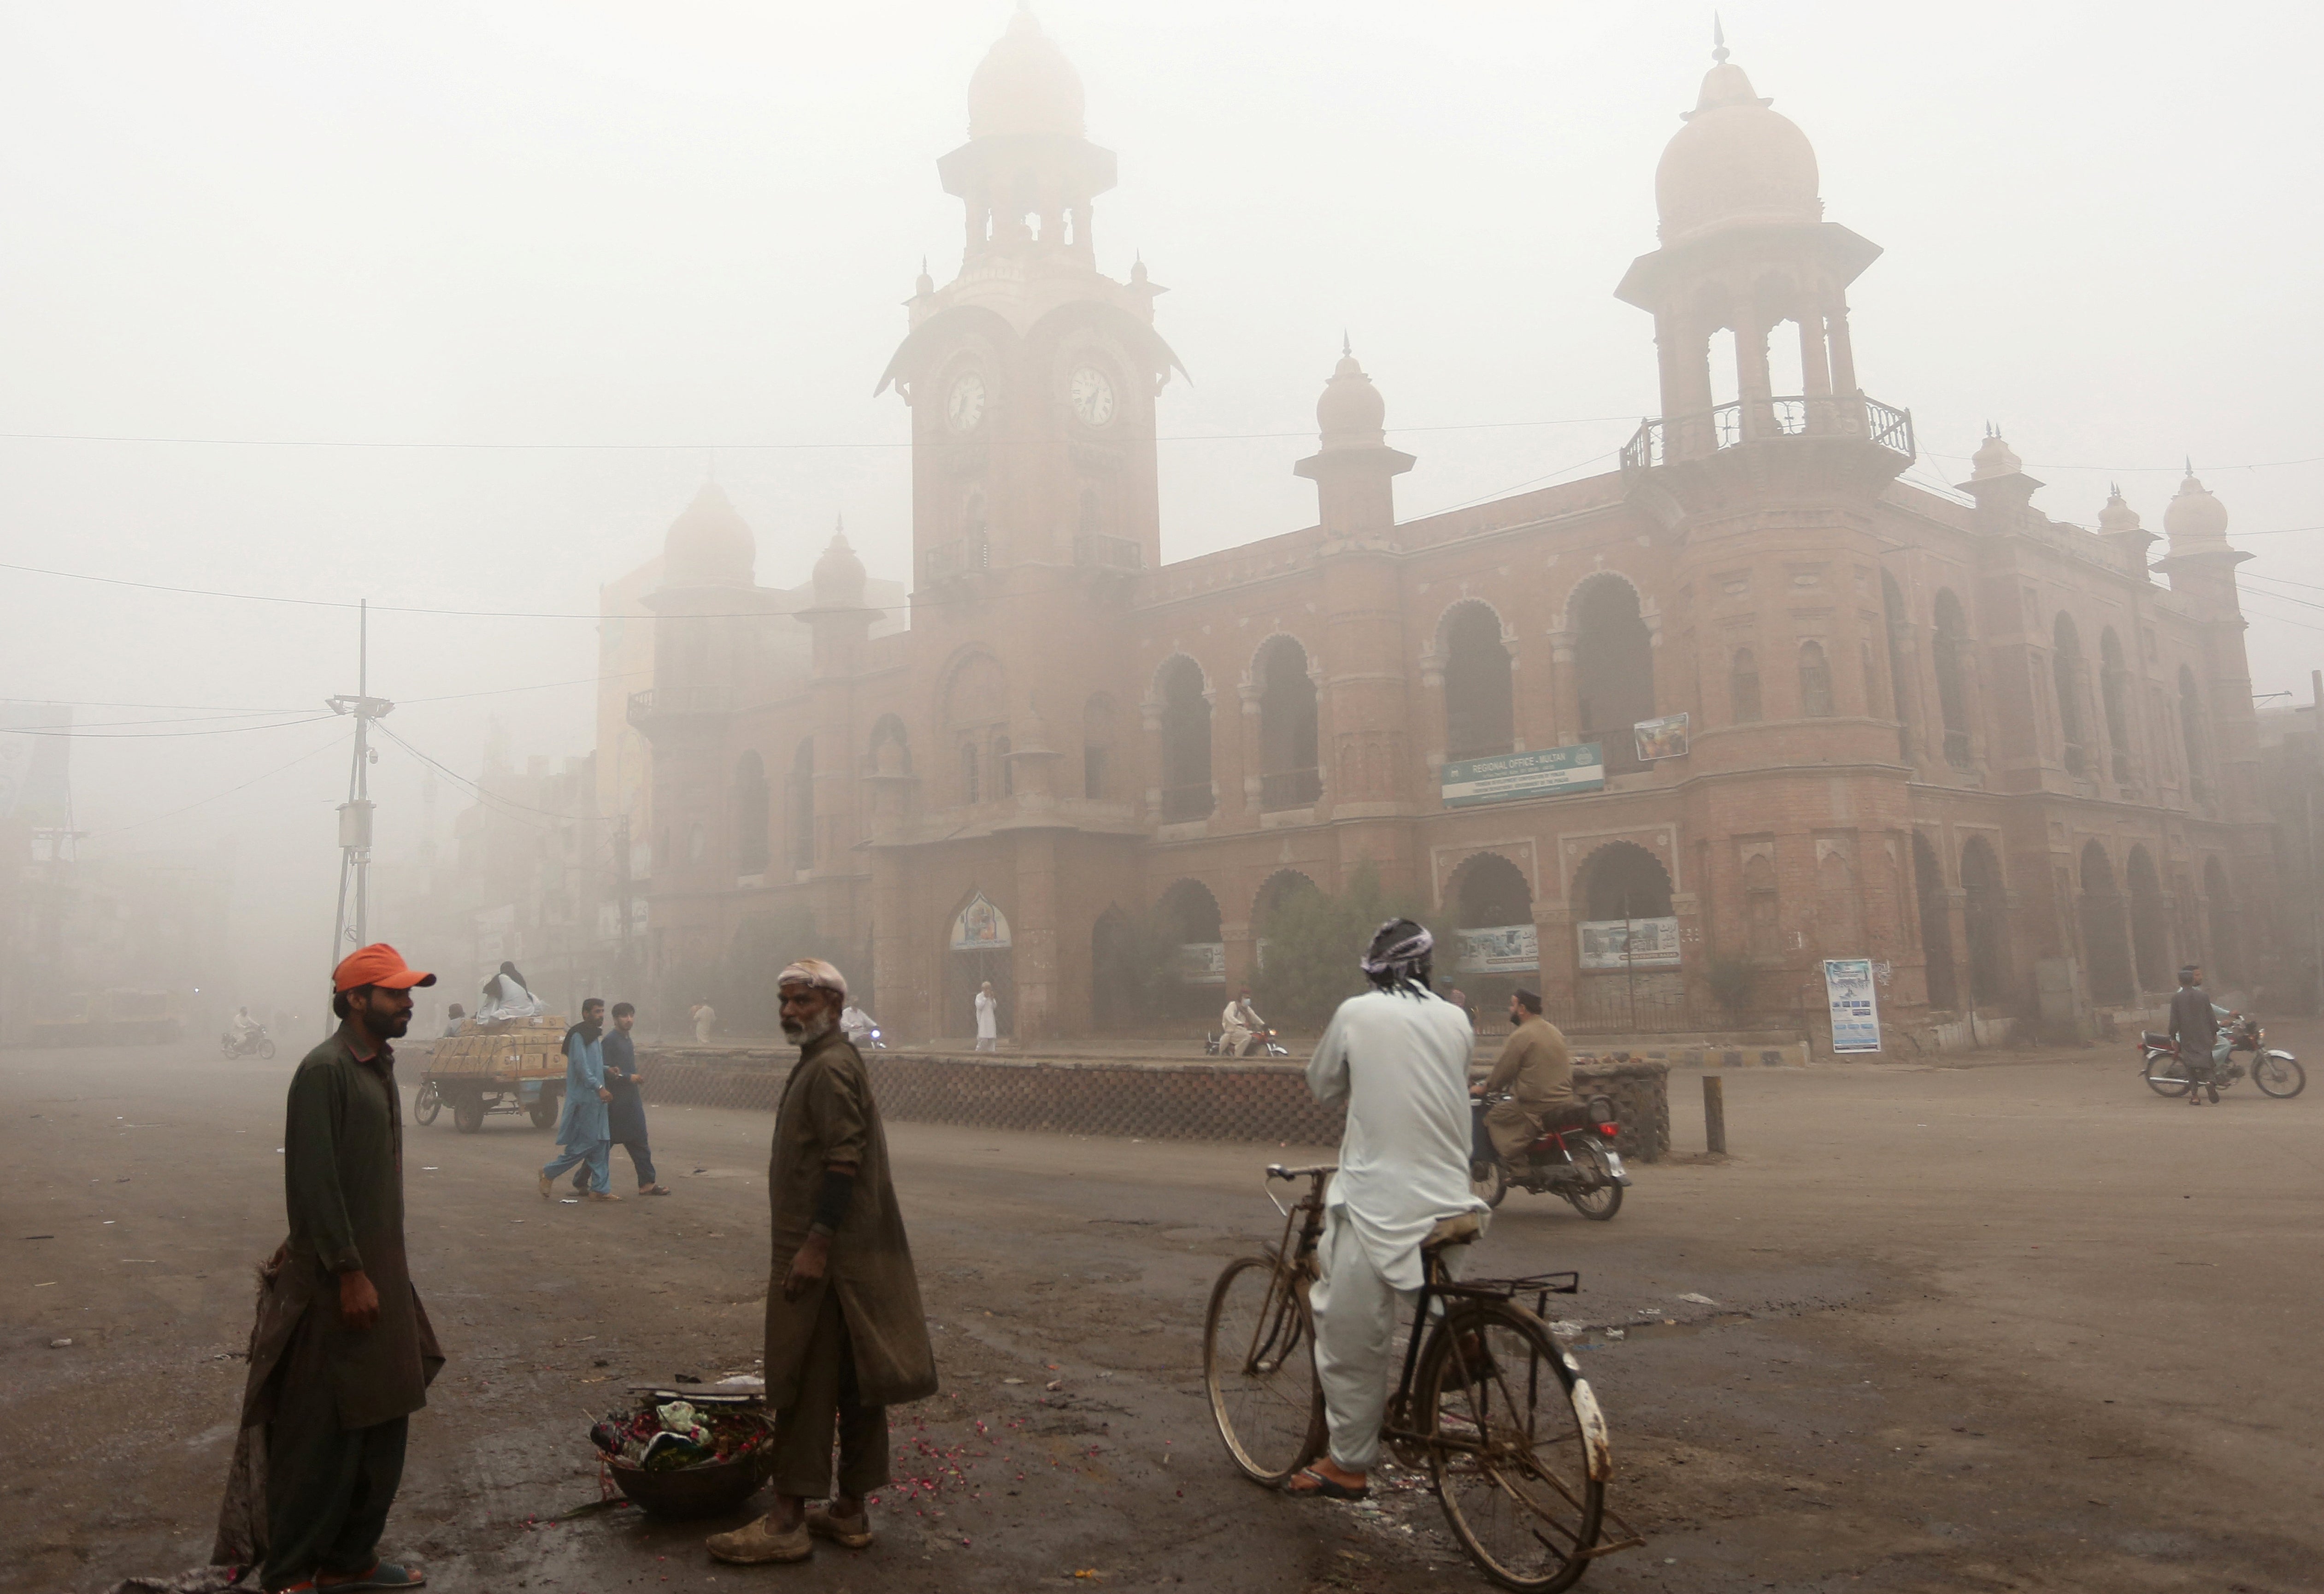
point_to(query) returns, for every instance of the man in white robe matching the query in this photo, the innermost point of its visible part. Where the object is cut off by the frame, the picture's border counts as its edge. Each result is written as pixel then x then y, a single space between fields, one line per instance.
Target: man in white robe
pixel 1398 1056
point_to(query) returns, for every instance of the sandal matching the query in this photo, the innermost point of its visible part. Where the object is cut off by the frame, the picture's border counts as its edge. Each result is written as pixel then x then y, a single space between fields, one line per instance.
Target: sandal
pixel 387 1574
pixel 1326 1489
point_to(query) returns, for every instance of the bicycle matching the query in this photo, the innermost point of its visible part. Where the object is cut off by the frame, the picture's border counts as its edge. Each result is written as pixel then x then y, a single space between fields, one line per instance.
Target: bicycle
pixel 1498 1414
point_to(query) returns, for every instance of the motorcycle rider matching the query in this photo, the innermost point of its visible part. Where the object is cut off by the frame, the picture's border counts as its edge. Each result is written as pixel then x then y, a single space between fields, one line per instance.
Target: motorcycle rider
pixel 244 1028
pixel 1242 1025
pixel 2195 1028
pixel 856 1024
pixel 1536 1069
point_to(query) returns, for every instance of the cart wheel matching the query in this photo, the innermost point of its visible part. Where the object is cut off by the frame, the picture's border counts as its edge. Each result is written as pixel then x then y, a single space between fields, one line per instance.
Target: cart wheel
pixel 427 1103
pixel 545 1110
pixel 468 1114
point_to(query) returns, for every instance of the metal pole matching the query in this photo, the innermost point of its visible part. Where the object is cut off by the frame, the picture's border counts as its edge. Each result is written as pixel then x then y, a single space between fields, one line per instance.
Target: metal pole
pixel 2315 894
pixel 362 769
pixel 1714 1114
pixel 1629 961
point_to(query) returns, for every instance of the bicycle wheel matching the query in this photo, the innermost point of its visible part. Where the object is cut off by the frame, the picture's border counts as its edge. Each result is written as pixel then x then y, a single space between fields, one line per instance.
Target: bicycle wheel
pixel 2165 1076
pixel 1259 1368
pixel 2278 1074
pixel 1511 1426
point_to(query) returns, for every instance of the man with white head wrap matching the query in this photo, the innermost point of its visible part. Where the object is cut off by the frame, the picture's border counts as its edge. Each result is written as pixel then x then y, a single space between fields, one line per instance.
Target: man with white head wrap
pixel 1398 1056
pixel 846 1337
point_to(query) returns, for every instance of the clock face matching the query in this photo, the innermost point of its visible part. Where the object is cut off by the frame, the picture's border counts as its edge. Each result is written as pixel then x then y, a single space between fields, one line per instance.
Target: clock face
pixel 1092 396
pixel 964 404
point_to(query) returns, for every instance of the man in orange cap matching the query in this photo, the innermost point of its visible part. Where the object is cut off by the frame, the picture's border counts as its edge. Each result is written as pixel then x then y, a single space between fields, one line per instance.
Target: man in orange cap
pixel 343 1353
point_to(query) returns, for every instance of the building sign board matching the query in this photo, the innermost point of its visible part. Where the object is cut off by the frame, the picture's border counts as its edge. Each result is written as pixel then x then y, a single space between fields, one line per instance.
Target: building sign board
pixel 1203 962
pixel 1661 738
pixel 979 927
pixel 1628 943
pixel 1855 1005
pixel 1506 777
pixel 1507 949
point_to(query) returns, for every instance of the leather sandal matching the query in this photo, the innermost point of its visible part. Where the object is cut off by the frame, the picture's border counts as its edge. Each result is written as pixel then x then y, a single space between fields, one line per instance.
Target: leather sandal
pixel 854 1532
pixel 1325 1489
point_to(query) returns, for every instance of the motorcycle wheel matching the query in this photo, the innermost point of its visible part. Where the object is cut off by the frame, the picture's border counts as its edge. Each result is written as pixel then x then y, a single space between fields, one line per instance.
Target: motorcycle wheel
pixel 427 1103
pixel 1489 1181
pixel 1598 1202
pixel 2278 1074
pixel 2170 1082
pixel 266 1048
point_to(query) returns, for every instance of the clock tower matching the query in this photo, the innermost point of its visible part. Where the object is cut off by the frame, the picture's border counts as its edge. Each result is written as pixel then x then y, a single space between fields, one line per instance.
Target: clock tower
pixel 1031 375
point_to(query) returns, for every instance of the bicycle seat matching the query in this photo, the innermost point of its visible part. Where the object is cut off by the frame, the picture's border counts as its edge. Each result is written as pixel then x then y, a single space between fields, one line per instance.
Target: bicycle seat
pixel 1459 1230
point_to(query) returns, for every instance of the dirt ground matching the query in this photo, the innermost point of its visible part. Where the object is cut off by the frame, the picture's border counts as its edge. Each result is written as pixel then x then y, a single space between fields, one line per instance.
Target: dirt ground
pixel 2023 1326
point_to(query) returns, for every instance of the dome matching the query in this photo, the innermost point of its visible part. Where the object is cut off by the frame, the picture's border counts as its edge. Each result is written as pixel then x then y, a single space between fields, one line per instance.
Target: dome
pixel 1735 163
pixel 1025 84
pixel 1994 457
pixel 1352 412
pixel 710 544
pixel 2195 516
pixel 2118 515
pixel 839 576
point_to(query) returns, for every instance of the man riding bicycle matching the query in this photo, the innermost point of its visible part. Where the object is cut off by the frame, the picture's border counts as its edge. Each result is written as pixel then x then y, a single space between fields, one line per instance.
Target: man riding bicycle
pixel 1398 1056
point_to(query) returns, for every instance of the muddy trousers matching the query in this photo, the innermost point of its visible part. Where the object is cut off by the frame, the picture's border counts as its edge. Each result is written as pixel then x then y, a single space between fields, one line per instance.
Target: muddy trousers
pixel 827 1401
pixel 1356 1311
pixel 327 1493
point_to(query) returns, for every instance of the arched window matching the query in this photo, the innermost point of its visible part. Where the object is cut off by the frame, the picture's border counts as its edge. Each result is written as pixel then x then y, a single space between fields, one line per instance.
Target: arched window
pixel 1986 910
pixel 2191 732
pixel 1004 771
pixel 1288 775
pixel 1743 687
pixel 800 800
pixel 1189 915
pixel 2149 919
pixel 750 815
pixel 1874 704
pixel 1815 681
pixel 1936 924
pixel 1097 747
pixel 891 752
pixel 1900 631
pixel 2106 937
pixel 2066 676
pixel 1614 667
pixel 1186 741
pixel 1622 880
pixel 1491 891
pixel 1480 705
pixel 1280 888
pixel 1946 648
pixel 2114 691
pixel 970 789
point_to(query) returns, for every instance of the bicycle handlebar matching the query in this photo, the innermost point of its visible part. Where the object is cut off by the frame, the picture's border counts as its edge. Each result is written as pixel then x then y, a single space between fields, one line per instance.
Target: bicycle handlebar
pixel 1277 1171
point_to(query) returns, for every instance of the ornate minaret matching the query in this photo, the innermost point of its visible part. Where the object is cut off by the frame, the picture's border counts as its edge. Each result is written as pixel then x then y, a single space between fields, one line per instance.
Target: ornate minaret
pixel 2202 565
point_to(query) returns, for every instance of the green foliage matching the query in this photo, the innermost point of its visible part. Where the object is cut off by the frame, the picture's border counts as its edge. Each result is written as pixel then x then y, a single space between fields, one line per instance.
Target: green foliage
pixel 1728 977
pixel 744 989
pixel 1315 939
pixel 1136 975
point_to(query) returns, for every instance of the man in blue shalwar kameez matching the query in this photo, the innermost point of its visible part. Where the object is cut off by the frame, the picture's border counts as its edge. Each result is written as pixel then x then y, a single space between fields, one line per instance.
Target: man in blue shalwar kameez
pixel 582 1131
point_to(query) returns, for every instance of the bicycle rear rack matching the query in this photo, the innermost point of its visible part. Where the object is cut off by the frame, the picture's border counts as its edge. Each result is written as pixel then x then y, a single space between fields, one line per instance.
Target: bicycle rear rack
pixel 1541 1287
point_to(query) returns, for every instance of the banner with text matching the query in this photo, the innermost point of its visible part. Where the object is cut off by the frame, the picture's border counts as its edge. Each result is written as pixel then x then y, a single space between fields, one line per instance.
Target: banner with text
pixel 1855 1005
pixel 1553 772
pixel 1507 949
pixel 1628 943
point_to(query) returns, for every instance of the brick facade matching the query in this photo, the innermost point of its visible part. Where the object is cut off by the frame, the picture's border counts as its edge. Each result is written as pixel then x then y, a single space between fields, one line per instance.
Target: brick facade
pixel 1954 737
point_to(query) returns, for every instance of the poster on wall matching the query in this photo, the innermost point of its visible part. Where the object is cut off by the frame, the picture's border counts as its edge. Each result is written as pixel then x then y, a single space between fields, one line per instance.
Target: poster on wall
pixel 1507 949
pixel 980 928
pixel 1553 772
pixel 1203 962
pixel 1855 1005
pixel 1628 943
pixel 1661 738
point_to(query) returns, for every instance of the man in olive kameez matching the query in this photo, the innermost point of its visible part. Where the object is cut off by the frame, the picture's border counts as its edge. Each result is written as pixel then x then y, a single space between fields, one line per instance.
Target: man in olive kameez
pixel 845 1335
pixel 343 1353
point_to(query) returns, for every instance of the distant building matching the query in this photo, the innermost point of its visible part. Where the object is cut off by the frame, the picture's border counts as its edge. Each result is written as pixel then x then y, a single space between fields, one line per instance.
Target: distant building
pixel 1749 700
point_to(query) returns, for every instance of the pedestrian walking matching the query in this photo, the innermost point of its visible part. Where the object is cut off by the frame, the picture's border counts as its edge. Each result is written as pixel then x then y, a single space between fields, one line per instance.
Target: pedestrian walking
pixel 1398 1056
pixel 846 1337
pixel 988 1019
pixel 704 1017
pixel 343 1352
pixel 625 1110
pixel 581 1129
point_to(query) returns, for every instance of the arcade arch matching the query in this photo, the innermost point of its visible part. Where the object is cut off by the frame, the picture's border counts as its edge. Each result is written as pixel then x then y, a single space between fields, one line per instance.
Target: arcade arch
pixel 1480 700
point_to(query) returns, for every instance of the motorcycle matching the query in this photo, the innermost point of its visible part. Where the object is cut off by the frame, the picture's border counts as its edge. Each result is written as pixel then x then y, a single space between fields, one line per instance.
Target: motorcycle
pixel 256 1044
pixel 867 1039
pixel 2274 1070
pixel 1574 1157
pixel 1215 1044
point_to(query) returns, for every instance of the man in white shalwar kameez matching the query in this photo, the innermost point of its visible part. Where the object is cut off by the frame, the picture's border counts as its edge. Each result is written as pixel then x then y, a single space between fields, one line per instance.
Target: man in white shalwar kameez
pixel 1398 1056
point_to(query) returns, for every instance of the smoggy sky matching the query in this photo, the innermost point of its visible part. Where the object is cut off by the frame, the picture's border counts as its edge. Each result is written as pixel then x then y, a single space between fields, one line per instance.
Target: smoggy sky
pixel 551 263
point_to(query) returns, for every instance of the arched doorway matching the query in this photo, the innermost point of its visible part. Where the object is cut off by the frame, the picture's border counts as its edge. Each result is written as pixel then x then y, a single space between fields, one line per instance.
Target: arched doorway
pixel 1986 918
pixel 1936 927
pixel 1288 775
pixel 1479 706
pixel 978 948
pixel 2150 935
pixel 1185 741
pixel 1187 916
pixel 1627 935
pixel 1493 909
pixel 1614 667
pixel 2106 940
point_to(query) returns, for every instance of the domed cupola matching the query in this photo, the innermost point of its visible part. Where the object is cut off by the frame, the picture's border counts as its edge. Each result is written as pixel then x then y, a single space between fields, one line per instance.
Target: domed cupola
pixel 709 545
pixel 1025 85
pixel 839 575
pixel 2195 519
pixel 1737 163
pixel 1351 414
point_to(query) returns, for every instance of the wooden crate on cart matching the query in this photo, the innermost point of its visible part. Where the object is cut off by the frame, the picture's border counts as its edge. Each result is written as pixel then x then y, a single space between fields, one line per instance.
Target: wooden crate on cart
pixel 506 1066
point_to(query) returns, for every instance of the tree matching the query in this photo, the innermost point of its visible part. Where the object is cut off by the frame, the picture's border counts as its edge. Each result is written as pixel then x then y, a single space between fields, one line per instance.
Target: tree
pixel 1314 941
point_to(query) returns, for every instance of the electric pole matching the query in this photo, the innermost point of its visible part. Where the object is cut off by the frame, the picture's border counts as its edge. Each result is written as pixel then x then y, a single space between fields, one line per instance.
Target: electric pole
pixel 354 813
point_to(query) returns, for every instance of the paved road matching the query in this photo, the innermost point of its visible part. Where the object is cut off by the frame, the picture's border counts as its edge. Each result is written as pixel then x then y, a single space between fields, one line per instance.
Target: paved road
pixel 1986 1328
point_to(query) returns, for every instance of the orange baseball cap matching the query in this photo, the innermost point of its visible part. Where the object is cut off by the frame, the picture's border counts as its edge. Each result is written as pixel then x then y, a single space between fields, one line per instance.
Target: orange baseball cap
pixel 378 964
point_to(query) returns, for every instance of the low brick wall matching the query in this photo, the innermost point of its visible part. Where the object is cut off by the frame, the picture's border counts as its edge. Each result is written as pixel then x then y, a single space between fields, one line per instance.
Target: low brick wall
pixel 1131 1098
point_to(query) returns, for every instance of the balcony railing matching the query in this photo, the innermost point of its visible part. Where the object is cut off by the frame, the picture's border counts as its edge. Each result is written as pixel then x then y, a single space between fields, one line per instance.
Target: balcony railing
pixel 1691 437
pixel 1113 553
pixel 1289 788
pixel 955 558
pixel 1181 803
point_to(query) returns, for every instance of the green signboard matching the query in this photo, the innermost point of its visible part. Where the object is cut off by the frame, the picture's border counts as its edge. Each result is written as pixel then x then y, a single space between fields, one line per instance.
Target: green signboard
pixel 1553 771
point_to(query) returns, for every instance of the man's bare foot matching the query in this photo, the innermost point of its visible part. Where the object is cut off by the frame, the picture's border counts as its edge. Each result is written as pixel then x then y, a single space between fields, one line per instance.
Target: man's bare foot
pixel 1327 1480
